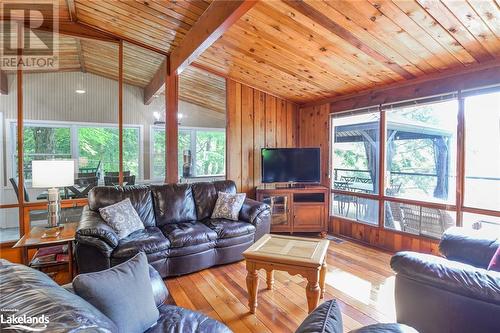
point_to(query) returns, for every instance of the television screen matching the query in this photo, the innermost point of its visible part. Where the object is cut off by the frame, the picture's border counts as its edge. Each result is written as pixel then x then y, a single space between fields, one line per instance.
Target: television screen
pixel 291 165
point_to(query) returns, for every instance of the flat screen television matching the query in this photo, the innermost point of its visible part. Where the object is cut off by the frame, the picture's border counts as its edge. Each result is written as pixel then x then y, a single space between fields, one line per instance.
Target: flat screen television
pixel 291 165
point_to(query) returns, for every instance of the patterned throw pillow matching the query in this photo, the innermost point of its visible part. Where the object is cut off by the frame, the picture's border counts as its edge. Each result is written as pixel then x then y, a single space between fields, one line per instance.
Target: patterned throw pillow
pixel 228 206
pixel 122 217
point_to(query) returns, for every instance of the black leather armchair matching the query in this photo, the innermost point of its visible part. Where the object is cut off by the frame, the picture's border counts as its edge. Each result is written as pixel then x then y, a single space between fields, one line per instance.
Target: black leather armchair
pixel 179 236
pixel 454 293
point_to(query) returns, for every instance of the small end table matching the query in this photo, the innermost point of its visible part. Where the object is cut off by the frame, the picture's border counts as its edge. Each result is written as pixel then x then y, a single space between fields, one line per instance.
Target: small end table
pixel 34 240
pixel 294 255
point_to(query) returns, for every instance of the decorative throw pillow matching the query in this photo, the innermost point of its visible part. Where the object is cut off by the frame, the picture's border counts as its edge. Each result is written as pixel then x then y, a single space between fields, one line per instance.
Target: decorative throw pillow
pixel 123 293
pixel 122 217
pixel 228 206
pixel 495 262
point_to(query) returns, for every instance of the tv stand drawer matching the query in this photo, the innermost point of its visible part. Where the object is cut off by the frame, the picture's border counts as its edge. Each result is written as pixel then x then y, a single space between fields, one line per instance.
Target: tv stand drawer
pixel 309 197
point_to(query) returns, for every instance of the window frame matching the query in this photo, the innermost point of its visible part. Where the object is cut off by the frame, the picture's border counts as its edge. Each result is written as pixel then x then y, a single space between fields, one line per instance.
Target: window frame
pixel 459 167
pixel 192 145
pixel 11 142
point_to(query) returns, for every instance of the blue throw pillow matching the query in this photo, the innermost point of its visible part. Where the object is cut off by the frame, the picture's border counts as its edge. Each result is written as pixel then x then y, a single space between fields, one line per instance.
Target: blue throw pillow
pixel 123 293
pixel 326 318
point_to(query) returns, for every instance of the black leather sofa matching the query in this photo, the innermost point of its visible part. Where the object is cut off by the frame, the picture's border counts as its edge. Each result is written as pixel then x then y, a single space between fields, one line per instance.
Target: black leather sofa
pixel 29 292
pixel 327 318
pixel 452 294
pixel 179 235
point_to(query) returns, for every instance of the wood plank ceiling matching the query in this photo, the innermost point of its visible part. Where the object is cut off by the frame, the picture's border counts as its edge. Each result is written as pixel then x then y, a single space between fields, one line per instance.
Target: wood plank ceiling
pixel 297 50
pixel 308 50
pixel 160 24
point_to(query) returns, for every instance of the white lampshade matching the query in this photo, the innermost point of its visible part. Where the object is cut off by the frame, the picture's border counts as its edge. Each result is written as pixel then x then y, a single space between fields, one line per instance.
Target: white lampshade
pixel 53 173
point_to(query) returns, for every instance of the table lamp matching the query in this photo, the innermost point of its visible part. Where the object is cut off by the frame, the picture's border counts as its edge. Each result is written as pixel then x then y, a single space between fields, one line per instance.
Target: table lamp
pixel 52 174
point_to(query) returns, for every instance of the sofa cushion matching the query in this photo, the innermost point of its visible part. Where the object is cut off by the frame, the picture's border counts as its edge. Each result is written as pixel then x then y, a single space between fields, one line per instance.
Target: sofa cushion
pixel 123 293
pixel 173 203
pixel 122 217
pixel 326 318
pixel 32 293
pixel 176 319
pixel 205 196
pixel 139 195
pixel 188 234
pixel 229 229
pixel 148 240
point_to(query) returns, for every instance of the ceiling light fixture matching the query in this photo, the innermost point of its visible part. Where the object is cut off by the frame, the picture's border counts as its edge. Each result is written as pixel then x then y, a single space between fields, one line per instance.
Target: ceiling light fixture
pixel 80 91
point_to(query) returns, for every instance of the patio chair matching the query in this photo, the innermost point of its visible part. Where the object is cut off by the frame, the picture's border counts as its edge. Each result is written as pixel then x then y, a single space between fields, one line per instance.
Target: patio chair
pixel 116 173
pixel 348 179
pixel 343 201
pixel 426 221
pixel 85 184
pixel 89 171
pixel 114 180
pixel 363 180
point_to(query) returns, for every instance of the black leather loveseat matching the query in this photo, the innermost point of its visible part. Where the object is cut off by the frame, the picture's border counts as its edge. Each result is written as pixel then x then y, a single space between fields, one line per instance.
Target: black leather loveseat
pixel 179 235
pixel 452 294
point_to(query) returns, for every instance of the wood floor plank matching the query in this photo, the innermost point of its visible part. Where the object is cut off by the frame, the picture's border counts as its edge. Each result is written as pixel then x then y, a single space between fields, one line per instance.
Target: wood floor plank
pixel 359 278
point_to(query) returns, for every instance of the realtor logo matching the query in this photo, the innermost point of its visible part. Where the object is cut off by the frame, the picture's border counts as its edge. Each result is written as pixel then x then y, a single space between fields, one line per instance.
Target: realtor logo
pixel 23 323
pixel 31 31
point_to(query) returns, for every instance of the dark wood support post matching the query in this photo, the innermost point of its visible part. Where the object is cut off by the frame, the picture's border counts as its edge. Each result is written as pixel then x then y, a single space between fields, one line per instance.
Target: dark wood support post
pixel 120 112
pixel 171 126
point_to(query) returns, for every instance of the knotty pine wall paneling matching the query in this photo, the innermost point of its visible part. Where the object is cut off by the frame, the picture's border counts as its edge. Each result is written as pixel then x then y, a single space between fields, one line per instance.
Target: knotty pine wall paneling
pixel 383 238
pixel 315 132
pixel 255 120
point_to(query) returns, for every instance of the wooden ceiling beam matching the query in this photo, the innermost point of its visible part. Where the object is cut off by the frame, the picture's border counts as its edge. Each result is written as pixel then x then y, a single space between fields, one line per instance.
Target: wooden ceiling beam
pixel 4 84
pixel 81 58
pixel 211 25
pixel 217 19
pixel 157 83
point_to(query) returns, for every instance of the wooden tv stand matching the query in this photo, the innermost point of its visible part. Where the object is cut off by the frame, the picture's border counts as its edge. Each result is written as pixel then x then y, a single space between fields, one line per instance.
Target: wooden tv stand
pixel 302 208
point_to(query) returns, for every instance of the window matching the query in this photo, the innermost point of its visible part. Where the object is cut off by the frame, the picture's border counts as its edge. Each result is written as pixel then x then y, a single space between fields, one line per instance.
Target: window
pixel 94 147
pixel 202 152
pixel 210 153
pixel 355 161
pixel 482 151
pixel 420 176
pixel 421 151
pixel 42 142
pixel 202 125
pixel 208 145
pixel 158 153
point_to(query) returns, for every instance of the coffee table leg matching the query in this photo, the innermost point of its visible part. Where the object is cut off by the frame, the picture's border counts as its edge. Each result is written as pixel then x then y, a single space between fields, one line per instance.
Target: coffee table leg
pixel 322 277
pixel 252 286
pixel 312 290
pixel 270 279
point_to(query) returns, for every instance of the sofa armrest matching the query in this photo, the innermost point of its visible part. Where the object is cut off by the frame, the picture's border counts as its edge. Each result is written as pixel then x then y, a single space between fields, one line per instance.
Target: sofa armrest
pixel 449 275
pixel 251 210
pixel 92 225
pixel 468 246
pixel 258 214
pixel 160 291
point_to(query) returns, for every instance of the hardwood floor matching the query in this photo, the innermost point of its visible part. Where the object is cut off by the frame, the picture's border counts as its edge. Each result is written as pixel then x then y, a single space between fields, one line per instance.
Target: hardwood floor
pixel 359 277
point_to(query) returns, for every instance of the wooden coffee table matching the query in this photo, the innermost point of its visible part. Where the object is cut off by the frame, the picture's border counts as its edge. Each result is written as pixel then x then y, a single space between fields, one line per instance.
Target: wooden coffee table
pixel 295 255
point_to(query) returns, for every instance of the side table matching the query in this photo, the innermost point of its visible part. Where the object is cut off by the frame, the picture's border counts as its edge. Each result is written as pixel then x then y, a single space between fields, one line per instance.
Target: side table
pixel 33 240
